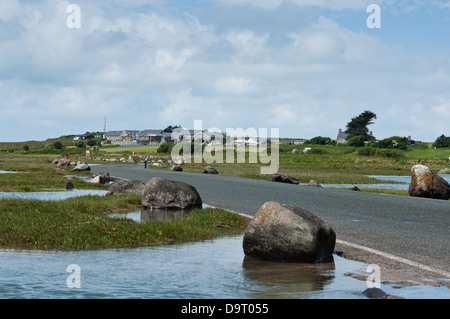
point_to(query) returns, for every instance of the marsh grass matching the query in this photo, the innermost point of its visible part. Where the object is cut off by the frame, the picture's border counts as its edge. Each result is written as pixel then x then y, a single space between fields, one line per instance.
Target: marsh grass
pixel 36 174
pixel 85 223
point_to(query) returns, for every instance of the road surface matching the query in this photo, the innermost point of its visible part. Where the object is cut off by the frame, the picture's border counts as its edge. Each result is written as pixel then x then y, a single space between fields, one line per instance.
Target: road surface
pixel 398 232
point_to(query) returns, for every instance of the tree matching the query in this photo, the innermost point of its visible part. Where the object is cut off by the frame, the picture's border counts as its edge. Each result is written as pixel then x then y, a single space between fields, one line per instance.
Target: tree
pixel 57 145
pixel 358 125
pixel 171 128
pixel 442 142
pixel 320 140
pixel 393 142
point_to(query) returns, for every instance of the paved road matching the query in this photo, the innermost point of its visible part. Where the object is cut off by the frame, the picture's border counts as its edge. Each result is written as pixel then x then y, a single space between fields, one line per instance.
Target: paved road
pixel 415 229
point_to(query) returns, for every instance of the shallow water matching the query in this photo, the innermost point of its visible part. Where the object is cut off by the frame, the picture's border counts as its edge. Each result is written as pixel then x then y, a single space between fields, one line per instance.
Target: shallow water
pixel 53 195
pixel 214 269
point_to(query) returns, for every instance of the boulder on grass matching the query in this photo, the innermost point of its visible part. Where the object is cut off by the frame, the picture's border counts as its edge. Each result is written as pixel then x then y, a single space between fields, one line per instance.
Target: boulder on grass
pixel 287 233
pixel 123 186
pixel 426 183
pixel 162 193
pixel 284 178
pixel 210 170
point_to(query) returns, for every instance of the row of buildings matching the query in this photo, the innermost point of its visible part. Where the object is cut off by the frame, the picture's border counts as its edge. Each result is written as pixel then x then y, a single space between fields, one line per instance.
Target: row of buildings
pixel 154 137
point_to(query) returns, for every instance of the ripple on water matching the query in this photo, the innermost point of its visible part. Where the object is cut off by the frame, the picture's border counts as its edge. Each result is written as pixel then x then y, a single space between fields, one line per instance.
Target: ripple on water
pixel 215 269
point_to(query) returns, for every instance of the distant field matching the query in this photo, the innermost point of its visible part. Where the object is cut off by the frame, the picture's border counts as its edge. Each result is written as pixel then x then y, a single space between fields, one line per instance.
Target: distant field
pixel 144 150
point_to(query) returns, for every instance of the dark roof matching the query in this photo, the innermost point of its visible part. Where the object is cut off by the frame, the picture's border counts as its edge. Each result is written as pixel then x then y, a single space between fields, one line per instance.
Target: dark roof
pixel 342 135
pixel 113 133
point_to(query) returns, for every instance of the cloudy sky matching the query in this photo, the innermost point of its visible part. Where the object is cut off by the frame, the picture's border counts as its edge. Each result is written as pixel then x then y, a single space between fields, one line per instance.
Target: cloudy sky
pixel 306 67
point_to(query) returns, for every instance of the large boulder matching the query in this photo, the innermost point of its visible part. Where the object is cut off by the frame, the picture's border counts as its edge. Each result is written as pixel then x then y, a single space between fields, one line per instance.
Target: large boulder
pixel 123 186
pixel 284 178
pixel 425 183
pixel 288 233
pixel 166 194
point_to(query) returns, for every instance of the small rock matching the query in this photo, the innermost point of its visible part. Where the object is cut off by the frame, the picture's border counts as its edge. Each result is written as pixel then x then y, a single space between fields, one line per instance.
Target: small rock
pixel 176 168
pixel 69 185
pixel 210 170
pixel 355 188
pixel 375 293
pixel 284 178
pixel 314 183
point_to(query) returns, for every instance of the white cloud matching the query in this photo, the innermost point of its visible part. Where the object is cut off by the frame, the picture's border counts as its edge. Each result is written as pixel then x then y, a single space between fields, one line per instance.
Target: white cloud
pixel 162 68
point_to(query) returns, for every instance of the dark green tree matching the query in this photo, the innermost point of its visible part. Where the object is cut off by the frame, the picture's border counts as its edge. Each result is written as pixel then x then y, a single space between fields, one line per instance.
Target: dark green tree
pixel 171 128
pixel 57 145
pixel 320 140
pixel 442 142
pixel 356 141
pixel 358 125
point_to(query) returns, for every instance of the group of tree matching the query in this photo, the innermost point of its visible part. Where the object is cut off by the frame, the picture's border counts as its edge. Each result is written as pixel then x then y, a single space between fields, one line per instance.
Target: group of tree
pixel 442 142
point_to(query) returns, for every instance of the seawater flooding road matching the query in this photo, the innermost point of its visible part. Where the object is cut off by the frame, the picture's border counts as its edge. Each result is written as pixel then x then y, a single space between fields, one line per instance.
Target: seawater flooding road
pixel 401 228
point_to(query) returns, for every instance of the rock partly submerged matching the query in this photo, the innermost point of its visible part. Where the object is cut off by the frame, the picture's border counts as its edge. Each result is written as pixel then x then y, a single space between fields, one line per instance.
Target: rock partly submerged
pixel 160 193
pixel 287 233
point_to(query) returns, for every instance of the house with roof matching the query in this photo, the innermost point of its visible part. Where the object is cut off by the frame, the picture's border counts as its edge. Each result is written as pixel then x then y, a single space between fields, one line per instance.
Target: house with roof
pixel 342 137
pixel 112 135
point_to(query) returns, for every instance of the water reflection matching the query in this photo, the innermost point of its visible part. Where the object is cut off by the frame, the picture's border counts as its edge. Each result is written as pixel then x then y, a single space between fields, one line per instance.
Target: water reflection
pixel 287 280
pixel 151 214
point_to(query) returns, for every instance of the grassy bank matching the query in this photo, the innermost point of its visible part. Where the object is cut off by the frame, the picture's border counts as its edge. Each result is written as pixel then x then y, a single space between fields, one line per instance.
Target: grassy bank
pixel 84 223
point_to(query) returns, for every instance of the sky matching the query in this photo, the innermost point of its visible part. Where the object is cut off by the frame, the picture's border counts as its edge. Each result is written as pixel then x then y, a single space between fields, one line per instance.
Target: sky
pixel 305 67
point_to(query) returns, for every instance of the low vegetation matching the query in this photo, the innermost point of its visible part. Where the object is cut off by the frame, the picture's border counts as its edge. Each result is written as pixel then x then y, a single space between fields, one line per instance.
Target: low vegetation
pixel 85 223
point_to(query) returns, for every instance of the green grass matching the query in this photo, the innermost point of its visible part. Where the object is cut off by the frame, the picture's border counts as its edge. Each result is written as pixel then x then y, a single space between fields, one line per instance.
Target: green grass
pixel 84 223
pixel 36 174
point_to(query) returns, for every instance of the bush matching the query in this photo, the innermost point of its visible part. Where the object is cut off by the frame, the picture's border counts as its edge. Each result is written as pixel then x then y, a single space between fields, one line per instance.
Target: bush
pixel 356 141
pixel 80 144
pixel 26 148
pixel 57 145
pixel 397 142
pixel 319 140
pixel 377 152
pixel 91 143
pixel 317 151
pixel 165 148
